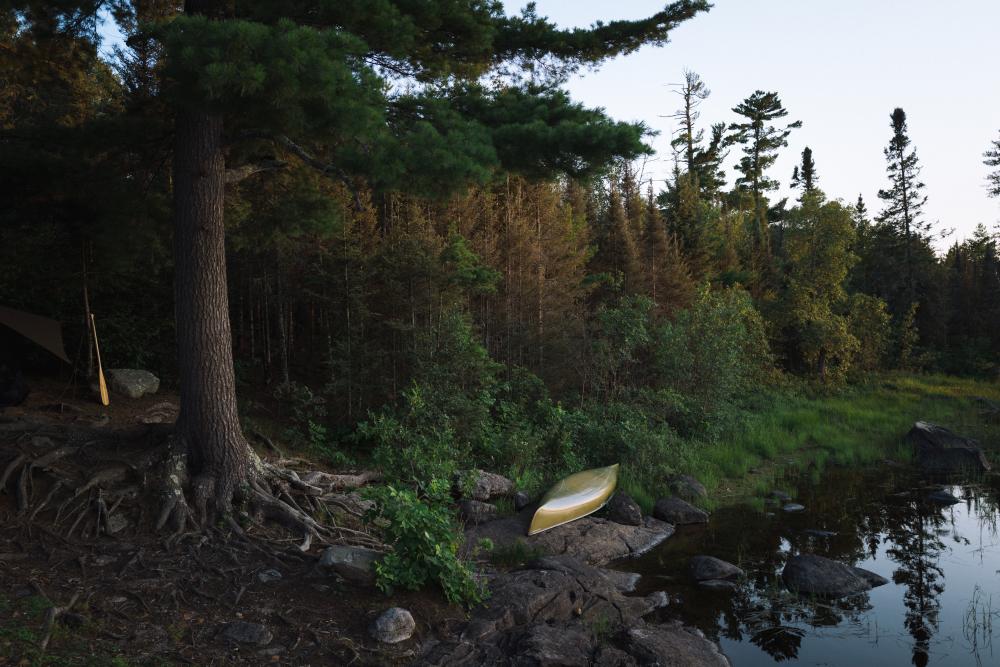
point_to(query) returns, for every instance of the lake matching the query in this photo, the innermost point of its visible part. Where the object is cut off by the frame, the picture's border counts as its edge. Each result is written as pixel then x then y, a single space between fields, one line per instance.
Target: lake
pixel 942 562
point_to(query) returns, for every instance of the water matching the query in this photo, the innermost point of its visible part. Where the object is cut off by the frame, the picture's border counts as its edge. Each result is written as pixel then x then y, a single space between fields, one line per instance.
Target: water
pixel 941 607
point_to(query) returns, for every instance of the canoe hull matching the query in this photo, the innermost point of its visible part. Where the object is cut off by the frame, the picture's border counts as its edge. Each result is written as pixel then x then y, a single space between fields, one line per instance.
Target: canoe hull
pixel 575 497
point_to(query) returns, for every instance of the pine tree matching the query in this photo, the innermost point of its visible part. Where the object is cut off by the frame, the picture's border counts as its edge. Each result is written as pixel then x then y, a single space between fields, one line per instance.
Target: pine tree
pixel 904 200
pixel 991 158
pixel 688 140
pixel 761 141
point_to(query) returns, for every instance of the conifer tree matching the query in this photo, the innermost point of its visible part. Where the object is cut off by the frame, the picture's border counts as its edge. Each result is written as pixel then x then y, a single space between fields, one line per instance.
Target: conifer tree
pixel 804 175
pixel 991 158
pixel 904 200
pixel 761 140
pixel 688 140
pixel 667 281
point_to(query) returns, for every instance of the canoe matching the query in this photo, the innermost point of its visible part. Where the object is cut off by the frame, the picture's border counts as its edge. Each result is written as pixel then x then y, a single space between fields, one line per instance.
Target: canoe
pixel 574 497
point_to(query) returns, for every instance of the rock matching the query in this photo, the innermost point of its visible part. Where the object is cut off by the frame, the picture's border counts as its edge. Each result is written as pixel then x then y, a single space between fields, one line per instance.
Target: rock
pixel 658 600
pixel 780 496
pixel 942 497
pixel 521 500
pixel 815 532
pixel 132 382
pixel 704 568
pixel 483 486
pixel 475 512
pixel 678 512
pixel 549 614
pixel 393 626
pixel 686 487
pixel 164 412
pixel 593 540
pixel 673 644
pixel 941 451
pixel 793 507
pixel 718 585
pixel 247 633
pixel 355 564
pixel 622 509
pixel 815 575
pixel 269 575
pixel 875 580
pixel 117 523
pixel 624 582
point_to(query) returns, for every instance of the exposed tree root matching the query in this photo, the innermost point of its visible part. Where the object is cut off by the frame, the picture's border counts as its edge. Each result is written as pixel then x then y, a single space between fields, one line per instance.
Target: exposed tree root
pixel 110 483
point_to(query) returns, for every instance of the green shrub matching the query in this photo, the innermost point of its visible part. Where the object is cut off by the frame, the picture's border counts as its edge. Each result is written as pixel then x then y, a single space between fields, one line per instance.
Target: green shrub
pixel 425 542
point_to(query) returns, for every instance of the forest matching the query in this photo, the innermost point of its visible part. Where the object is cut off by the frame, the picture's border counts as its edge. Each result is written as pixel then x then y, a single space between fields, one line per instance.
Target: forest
pixel 380 236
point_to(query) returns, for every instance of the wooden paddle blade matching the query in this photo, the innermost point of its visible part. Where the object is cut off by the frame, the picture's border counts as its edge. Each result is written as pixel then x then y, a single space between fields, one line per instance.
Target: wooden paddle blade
pixel 103 386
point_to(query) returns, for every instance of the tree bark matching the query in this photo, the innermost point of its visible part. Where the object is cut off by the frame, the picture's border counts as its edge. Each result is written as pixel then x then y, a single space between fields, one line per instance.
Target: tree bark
pixel 208 423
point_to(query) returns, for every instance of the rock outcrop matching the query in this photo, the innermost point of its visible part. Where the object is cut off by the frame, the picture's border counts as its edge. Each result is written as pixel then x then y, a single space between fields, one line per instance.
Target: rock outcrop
pixel 942 451
pixel 593 540
pixel 559 611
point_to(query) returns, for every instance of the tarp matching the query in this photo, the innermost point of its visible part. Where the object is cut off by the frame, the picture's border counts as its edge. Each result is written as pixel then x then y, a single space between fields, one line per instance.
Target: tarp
pixel 41 330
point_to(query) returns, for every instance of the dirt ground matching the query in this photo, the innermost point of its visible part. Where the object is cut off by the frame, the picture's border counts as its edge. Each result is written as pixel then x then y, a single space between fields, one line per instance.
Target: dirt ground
pixel 141 598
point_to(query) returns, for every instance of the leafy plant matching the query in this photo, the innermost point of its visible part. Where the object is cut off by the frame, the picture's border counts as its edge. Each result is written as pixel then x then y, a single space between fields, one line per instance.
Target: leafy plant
pixel 425 543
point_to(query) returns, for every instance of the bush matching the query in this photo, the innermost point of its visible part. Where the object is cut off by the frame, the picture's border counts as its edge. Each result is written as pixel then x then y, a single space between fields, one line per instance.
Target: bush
pixel 424 538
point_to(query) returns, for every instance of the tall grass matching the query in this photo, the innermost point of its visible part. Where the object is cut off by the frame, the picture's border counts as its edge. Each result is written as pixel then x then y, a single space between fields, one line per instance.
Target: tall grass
pixel 804 428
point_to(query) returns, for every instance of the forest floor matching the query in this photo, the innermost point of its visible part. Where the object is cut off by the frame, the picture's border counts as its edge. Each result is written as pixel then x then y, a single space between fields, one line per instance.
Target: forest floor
pixel 140 599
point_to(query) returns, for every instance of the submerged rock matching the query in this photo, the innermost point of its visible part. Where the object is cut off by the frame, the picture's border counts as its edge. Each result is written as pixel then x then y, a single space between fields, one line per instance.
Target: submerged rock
pixel 942 497
pixel 676 511
pixel 942 451
pixel 622 509
pixel 705 568
pixel 718 584
pixel 816 575
pixel 393 626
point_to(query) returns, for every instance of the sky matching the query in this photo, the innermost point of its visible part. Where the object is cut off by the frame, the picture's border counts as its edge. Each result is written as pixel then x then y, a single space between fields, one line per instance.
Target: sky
pixel 839 67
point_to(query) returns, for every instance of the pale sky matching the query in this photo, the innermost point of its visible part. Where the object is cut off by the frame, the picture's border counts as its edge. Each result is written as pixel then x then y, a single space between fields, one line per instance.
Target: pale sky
pixel 841 68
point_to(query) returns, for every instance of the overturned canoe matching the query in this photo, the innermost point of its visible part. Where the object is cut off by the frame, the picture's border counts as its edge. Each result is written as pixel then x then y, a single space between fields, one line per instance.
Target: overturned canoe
pixel 574 497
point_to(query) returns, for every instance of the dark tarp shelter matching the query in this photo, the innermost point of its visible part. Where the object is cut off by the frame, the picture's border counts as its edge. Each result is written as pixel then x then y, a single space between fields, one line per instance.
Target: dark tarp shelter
pixel 41 330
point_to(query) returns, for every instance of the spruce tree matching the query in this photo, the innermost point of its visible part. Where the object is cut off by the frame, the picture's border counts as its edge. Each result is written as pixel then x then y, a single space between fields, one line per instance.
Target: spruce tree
pixel 804 176
pixel 991 158
pixel 904 200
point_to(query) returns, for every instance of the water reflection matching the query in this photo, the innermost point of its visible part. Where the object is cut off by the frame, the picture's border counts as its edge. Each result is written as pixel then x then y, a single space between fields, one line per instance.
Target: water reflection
pixel 880 520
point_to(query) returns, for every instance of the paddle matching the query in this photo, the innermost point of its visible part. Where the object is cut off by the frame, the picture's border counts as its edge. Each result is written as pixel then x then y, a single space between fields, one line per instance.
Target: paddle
pixel 100 370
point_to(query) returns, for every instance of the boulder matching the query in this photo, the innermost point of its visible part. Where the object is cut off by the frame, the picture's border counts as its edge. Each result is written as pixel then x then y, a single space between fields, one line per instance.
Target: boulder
pixel 704 568
pixel 394 625
pixel 355 564
pixel 678 512
pixel 521 500
pixel 247 633
pixel 594 540
pixel 132 382
pixel 939 450
pixel 622 509
pixel 686 487
pixel 475 512
pixel 482 485
pixel 815 575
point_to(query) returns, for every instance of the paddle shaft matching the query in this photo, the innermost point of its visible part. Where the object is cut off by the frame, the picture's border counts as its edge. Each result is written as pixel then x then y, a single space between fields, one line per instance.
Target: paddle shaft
pixel 100 369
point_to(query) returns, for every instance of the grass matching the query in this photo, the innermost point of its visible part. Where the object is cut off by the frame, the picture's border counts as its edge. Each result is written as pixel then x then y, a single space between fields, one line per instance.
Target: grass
pixel 860 424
